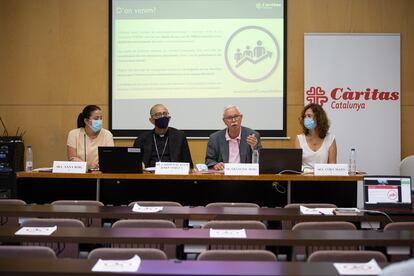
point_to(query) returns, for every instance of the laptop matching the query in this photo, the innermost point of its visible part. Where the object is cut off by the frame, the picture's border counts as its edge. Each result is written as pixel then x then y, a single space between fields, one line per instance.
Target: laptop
pixel 389 194
pixel 120 159
pixel 280 160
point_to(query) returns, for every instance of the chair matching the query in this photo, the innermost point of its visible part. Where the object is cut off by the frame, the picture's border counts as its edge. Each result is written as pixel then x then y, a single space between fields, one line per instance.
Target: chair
pixel 26 251
pixel 95 222
pixel 407 166
pixel 178 222
pixel 298 251
pixel 351 256
pixel 235 224
pixel 170 250
pixel 10 220
pixel 287 225
pixel 237 255
pixel 399 253
pixel 127 253
pixel 68 250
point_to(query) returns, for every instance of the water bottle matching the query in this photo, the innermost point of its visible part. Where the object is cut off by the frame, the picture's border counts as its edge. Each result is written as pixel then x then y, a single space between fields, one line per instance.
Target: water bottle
pixel 255 156
pixel 352 163
pixel 29 159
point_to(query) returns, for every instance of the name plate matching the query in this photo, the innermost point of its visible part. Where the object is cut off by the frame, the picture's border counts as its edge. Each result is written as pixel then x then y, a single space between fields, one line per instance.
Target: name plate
pixel 69 167
pixel 241 169
pixel 172 168
pixel 330 169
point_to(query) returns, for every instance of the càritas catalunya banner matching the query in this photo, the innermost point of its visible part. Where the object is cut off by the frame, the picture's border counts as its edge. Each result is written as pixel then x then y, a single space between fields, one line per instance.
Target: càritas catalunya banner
pixel 356 78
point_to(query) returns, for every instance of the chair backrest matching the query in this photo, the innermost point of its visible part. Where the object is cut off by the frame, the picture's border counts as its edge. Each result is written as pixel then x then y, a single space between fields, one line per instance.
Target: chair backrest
pixel 169 249
pixel 300 252
pixel 94 222
pixel 399 253
pixel 352 256
pixel 235 224
pixel 287 225
pixel 26 251
pixel 64 250
pixel 233 204
pixel 237 255
pixel 407 166
pixel 127 253
pixel 10 220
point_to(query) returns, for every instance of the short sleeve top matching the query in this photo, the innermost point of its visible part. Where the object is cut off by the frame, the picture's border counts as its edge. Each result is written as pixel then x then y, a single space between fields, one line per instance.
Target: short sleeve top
pixel 78 139
pixel 310 157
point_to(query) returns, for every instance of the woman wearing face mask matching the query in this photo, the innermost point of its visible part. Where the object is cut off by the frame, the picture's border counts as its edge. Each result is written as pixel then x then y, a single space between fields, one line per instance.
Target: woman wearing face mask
pixel 318 145
pixel 83 142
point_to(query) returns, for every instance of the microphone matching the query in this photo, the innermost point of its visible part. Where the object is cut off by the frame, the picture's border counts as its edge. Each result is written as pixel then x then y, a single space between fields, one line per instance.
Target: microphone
pixel 84 145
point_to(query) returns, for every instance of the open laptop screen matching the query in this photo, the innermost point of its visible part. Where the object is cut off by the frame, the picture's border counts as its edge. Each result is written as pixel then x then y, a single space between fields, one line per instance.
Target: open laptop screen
pixel 280 160
pixel 387 192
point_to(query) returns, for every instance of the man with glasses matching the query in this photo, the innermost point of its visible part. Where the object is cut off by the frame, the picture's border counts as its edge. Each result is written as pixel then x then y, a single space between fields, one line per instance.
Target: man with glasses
pixel 233 144
pixel 163 143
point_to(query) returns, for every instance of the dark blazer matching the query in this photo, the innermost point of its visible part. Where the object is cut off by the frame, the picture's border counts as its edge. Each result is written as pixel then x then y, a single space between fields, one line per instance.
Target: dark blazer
pixel 177 145
pixel 218 147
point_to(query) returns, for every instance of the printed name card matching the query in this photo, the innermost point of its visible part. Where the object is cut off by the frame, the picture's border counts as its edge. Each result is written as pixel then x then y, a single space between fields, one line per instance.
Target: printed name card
pixel 146 209
pixel 369 268
pixel 36 231
pixel 130 265
pixel 69 167
pixel 172 168
pixel 241 169
pixel 227 233
pixel 330 169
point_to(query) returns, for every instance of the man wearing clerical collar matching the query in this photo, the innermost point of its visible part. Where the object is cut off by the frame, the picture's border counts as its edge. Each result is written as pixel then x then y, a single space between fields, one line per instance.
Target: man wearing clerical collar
pixel 233 144
pixel 163 143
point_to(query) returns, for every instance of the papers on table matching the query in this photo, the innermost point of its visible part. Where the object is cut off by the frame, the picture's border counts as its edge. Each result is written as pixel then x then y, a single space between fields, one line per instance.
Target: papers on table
pixel 48 169
pixel 227 233
pixel 369 268
pixel 130 265
pixel 146 209
pixel 316 211
pixel 36 231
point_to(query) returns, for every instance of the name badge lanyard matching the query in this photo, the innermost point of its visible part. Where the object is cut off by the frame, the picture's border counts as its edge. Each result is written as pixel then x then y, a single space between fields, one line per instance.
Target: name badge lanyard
pixel 156 148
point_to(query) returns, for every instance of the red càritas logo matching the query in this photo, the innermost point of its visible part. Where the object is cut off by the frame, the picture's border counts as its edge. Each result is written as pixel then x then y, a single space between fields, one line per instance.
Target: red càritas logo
pixel 316 95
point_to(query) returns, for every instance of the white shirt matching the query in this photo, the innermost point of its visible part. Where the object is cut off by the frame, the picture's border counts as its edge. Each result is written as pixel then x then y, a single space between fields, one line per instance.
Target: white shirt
pixel 310 157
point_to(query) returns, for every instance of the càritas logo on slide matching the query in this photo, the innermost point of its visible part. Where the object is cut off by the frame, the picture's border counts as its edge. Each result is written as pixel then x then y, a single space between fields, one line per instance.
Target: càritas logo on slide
pixel 346 98
pixel 252 54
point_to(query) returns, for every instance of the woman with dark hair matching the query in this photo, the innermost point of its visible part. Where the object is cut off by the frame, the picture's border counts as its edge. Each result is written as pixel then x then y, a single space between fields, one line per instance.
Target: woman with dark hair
pixel 83 142
pixel 318 145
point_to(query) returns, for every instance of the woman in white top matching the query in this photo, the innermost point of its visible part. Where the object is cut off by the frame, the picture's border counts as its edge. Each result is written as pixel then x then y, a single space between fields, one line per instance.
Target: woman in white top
pixel 89 135
pixel 318 145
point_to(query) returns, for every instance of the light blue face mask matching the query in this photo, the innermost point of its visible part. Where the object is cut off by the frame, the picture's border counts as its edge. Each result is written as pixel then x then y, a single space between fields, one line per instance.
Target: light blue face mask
pixel 96 125
pixel 309 123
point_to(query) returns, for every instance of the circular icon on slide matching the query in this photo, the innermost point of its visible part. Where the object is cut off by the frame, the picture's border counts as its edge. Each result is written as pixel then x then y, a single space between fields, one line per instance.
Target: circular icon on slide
pixel 392 195
pixel 252 53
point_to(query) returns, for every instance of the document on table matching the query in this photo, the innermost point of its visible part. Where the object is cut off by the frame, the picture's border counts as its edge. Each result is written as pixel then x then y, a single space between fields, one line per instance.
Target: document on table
pixel 369 268
pixel 130 265
pixel 146 209
pixel 227 233
pixel 316 211
pixel 36 231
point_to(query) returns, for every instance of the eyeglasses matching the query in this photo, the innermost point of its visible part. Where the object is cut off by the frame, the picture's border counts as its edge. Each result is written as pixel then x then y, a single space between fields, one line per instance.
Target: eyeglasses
pixel 160 114
pixel 233 118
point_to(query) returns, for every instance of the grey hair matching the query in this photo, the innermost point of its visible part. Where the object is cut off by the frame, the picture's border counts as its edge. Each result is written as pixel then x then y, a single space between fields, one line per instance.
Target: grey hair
pixel 155 106
pixel 229 107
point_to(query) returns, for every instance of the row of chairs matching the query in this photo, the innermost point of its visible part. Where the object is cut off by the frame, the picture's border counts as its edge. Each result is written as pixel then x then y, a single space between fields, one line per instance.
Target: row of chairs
pixel 211 255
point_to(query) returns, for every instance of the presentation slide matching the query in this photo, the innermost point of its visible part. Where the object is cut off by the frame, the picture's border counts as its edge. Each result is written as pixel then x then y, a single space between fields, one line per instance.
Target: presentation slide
pixel 196 57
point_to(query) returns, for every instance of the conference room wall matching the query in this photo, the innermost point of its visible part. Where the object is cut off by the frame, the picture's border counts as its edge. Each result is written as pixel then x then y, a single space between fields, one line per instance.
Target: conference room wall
pixel 54 56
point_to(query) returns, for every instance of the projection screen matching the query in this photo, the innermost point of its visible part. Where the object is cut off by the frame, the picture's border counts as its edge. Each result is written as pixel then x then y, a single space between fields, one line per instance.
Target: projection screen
pixel 196 57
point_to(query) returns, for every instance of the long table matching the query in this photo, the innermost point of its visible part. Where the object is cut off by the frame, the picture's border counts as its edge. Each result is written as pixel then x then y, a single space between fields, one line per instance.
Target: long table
pixel 24 266
pixel 96 235
pixel 196 188
pixel 193 213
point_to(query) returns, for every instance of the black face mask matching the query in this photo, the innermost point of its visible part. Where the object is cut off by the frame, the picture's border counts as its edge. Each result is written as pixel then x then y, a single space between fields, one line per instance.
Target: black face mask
pixel 162 122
